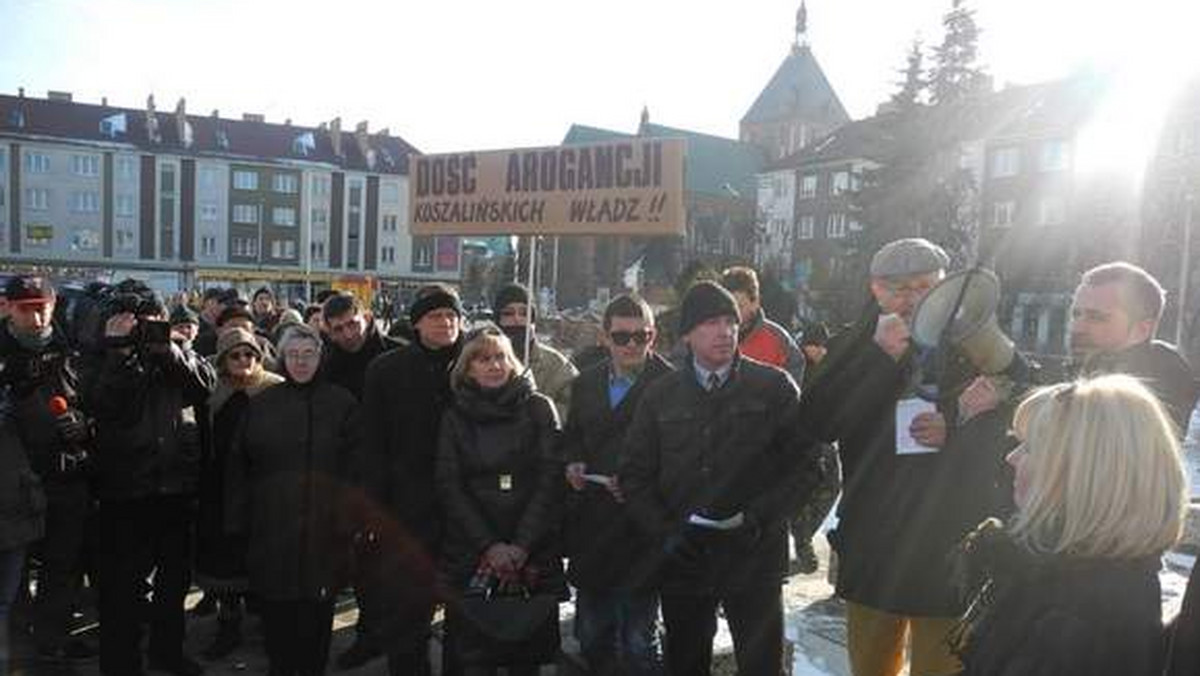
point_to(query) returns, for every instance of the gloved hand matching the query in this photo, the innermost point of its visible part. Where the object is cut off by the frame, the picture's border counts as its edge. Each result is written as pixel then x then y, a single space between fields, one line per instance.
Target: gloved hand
pixel 73 428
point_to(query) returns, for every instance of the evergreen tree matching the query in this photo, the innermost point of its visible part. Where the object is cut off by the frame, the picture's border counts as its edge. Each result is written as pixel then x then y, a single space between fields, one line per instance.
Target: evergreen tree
pixel 956 73
pixel 912 89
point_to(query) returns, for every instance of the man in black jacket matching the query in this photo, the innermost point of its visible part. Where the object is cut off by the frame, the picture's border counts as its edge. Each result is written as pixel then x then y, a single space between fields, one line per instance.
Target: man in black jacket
pixel 144 396
pixel 405 393
pixel 611 562
pixel 353 343
pixel 37 365
pixel 716 462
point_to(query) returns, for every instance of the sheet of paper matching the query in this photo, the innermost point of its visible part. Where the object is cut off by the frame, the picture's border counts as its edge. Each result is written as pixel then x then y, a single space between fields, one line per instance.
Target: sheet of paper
pixel 602 479
pixel 731 523
pixel 906 411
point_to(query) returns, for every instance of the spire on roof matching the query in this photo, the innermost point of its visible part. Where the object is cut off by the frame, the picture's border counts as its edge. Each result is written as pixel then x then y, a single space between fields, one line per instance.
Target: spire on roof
pixel 801 26
pixel 645 119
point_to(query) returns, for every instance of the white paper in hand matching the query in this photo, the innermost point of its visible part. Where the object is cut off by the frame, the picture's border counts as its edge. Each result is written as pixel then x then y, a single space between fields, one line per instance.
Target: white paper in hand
pixel 732 523
pixel 906 411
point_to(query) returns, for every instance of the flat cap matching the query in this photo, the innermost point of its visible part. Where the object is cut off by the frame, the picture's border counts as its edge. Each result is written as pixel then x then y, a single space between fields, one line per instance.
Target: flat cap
pixel 911 256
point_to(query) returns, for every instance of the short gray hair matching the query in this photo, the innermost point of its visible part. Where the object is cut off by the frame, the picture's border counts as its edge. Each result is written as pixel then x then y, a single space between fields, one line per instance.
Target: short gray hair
pixel 295 332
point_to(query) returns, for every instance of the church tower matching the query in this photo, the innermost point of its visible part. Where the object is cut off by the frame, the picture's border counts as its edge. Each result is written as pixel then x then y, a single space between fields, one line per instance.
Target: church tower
pixel 798 105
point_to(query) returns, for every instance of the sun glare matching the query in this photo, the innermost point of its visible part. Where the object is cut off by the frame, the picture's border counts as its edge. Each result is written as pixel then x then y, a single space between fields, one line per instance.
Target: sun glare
pixel 1149 70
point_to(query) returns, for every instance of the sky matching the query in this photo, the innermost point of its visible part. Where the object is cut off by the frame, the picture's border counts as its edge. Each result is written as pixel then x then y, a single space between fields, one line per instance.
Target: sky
pixel 476 74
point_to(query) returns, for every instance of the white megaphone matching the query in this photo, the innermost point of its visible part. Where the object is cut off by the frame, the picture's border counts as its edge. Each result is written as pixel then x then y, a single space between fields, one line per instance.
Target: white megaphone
pixel 961 310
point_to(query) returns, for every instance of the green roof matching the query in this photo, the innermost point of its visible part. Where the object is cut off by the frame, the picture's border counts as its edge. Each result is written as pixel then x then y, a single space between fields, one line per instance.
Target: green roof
pixel 712 162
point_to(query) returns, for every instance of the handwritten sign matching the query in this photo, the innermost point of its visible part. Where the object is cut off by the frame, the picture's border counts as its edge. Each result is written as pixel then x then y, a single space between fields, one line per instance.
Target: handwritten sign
pixel 628 187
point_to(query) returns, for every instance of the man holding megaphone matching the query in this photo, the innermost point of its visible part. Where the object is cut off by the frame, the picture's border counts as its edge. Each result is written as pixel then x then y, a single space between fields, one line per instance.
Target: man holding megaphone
pixel 921 435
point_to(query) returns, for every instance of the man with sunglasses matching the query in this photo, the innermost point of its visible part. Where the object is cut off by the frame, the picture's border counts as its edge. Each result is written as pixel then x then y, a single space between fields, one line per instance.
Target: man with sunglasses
pixel 611 562
pixel 715 462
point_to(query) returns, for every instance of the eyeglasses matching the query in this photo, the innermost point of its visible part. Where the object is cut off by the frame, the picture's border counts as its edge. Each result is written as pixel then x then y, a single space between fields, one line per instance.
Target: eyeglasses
pixel 622 338
pixel 302 355
pixel 239 355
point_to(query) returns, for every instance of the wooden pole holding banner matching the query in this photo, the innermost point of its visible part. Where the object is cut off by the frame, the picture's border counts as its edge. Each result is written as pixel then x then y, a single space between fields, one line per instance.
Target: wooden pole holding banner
pixel 532 300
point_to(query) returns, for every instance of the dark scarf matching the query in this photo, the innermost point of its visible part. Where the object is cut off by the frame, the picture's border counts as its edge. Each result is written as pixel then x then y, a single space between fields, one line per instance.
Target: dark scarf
pixel 489 404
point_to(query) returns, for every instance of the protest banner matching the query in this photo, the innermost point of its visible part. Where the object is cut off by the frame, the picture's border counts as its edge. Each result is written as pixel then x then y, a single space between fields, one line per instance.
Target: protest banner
pixel 631 186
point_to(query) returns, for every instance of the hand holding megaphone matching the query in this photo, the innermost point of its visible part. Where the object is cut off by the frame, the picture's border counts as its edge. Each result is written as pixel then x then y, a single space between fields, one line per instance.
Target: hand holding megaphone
pixel 71 426
pixel 892 335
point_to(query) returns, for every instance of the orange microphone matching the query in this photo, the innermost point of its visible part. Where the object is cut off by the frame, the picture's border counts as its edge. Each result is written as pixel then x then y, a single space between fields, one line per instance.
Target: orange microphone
pixel 59 406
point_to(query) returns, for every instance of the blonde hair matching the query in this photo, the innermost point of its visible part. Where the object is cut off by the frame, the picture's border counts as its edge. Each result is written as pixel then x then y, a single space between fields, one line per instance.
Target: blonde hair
pixel 1104 468
pixel 486 339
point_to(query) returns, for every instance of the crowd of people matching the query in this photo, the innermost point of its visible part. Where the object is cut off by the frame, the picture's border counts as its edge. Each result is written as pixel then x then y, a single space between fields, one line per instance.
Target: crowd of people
pixel 990 522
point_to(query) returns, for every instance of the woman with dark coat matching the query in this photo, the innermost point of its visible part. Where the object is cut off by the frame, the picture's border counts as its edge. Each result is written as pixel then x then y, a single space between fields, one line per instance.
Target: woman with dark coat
pixel 221 557
pixel 289 481
pixel 499 483
pixel 1071 586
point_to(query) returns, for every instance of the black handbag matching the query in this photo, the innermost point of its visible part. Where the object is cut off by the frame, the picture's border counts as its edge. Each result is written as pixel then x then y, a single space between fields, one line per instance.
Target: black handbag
pixel 508 613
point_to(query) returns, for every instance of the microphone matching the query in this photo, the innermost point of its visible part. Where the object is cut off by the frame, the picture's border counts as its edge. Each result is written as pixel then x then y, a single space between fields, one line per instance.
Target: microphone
pixel 58 406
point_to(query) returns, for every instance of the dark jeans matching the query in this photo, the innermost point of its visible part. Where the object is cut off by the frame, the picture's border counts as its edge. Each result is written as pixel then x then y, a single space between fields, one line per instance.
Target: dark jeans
pixel 11 563
pixel 61 554
pixel 755 619
pixel 297 635
pixel 142 536
pixel 617 631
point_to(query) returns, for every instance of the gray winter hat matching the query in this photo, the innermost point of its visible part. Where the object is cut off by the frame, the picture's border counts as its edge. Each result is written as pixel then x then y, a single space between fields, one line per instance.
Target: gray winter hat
pixel 911 256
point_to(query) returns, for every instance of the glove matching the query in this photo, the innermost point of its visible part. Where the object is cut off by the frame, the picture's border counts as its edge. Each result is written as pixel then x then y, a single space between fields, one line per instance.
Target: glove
pixel 72 428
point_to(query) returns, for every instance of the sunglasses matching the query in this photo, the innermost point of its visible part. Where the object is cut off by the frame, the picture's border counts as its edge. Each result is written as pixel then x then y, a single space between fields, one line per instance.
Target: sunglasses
pixel 622 338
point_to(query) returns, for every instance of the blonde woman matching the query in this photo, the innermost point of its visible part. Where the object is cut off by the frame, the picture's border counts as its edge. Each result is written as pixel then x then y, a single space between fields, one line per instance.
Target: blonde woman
pixel 1072 584
pixel 499 483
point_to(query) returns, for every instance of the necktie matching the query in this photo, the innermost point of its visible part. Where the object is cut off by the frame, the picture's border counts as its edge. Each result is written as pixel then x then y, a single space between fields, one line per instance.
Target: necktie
pixel 714 382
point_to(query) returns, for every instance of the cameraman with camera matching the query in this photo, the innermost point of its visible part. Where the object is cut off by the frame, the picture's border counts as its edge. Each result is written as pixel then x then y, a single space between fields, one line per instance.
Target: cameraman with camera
pixel 145 394
pixel 39 369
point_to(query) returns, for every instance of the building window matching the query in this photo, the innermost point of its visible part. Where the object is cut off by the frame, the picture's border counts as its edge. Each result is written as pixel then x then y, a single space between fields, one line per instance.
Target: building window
pixel 1054 156
pixel 1003 214
pixel 808 186
pixel 37 199
pixel 422 254
pixel 836 228
pixel 320 217
pixel 126 168
pixel 285 183
pixel 389 193
pixel 320 186
pixel 3 160
pixel 1 197
pixel 805 228
pixel 840 183
pixel 316 250
pixel 245 213
pixel 208 246
pixel 1006 162
pixel 166 179
pixel 209 213
pixel 85 201
pixel 124 204
pixel 387 254
pixel 210 178
pixel 39 235
pixel 390 222
pixel 284 216
pixel 85 165
pixel 85 240
pixel 245 180
pixel 246 247
pixel 125 241
pixel 1052 212
pixel 37 163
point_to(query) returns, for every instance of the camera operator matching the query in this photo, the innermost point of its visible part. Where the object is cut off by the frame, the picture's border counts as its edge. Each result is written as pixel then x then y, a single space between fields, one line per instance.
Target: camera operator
pixel 40 371
pixel 144 396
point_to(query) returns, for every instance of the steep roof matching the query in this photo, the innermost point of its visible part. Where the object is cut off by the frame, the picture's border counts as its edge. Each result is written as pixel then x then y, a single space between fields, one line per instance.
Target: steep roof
pixel 799 87
pixel 712 162
pixel 211 136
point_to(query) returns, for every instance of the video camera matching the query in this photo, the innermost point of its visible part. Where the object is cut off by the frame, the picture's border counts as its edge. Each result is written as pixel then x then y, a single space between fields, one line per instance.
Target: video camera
pixel 134 297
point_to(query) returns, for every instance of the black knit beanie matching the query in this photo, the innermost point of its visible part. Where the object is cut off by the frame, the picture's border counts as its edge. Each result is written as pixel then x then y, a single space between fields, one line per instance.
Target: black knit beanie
pixel 509 294
pixel 434 297
pixel 704 301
